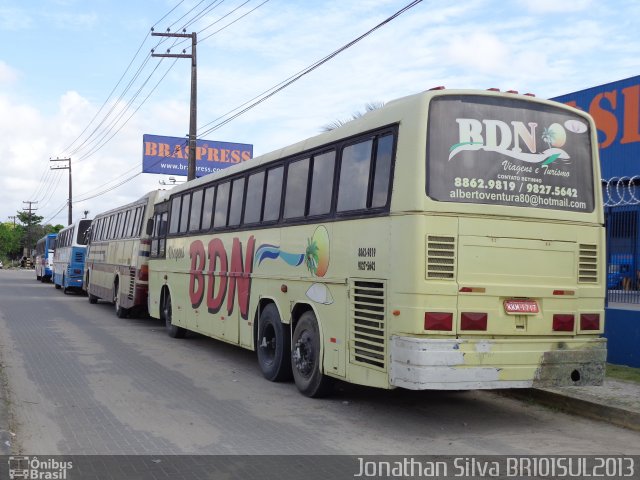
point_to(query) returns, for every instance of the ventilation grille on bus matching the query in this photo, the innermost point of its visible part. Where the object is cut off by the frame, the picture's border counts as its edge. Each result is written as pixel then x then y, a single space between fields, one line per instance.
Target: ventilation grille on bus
pixel 132 283
pixel 441 257
pixel 368 306
pixel 79 257
pixel 588 264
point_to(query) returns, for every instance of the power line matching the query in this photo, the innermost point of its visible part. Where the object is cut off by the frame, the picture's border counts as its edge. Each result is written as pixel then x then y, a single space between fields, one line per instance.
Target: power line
pixel 96 149
pixel 273 90
pixel 48 180
pixel 281 86
pixel 231 23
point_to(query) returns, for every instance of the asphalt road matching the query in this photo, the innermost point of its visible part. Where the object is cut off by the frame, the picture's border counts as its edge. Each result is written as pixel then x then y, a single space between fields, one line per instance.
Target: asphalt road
pixel 81 381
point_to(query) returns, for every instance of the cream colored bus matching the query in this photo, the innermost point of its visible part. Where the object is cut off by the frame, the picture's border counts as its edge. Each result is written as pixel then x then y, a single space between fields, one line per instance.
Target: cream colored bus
pixel 116 267
pixel 449 240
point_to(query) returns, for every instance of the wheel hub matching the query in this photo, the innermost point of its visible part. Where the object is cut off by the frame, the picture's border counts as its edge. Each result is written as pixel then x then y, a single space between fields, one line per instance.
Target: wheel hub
pixel 303 355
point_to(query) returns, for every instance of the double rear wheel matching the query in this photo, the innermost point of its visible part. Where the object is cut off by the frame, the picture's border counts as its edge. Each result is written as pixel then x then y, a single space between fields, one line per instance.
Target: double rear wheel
pixel 279 361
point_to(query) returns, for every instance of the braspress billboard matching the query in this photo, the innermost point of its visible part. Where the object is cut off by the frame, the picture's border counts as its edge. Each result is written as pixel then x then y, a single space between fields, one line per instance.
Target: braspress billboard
pixel 170 155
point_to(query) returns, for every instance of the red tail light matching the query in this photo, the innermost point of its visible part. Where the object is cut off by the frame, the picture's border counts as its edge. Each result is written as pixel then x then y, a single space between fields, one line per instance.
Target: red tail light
pixel 143 273
pixel 442 321
pixel 563 322
pixel 473 321
pixel 589 321
pixel 77 271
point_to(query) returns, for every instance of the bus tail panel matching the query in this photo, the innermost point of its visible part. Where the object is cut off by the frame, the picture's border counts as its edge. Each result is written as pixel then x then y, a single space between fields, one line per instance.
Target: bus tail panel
pixel 461 364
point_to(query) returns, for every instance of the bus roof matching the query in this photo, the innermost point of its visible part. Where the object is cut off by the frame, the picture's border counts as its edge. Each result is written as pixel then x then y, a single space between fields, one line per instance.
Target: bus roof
pixel 395 111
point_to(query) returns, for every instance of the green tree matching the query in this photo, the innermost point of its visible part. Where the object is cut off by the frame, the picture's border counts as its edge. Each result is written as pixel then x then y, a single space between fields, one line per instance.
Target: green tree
pixel 10 241
pixel 32 229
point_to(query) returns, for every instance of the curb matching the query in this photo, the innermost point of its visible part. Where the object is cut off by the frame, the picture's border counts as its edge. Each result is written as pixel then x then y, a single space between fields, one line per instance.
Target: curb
pixel 578 406
pixel 6 440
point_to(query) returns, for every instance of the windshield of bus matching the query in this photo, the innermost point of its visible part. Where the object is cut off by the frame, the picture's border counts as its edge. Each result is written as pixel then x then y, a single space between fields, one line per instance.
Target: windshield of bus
pixel 501 151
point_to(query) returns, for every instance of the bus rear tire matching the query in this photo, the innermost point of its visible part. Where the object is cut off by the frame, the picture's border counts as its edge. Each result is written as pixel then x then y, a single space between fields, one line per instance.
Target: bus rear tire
pixel 120 311
pixel 273 345
pixel 173 331
pixel 92 298
pixel 56 285
pixel 305 358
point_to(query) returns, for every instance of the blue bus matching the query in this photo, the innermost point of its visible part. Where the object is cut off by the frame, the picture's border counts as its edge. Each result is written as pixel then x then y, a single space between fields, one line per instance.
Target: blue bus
pixel 69 256
pixel 44 256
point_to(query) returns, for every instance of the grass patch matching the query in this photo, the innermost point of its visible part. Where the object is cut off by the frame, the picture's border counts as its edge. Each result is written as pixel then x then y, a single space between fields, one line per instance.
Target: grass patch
pixel 622 372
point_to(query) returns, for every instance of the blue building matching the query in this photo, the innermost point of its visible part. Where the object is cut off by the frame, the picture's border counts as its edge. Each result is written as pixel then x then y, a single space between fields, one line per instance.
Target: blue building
pixel 615 108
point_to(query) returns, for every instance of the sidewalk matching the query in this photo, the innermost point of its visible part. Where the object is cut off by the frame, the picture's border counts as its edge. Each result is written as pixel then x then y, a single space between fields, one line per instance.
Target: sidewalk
pixel 616 402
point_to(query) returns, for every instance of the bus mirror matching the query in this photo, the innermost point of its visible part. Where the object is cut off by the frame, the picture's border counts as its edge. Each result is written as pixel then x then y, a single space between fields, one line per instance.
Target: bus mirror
pixel 150 226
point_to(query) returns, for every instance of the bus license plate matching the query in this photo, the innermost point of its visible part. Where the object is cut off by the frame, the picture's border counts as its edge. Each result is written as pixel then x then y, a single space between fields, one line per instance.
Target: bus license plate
pixel 521 307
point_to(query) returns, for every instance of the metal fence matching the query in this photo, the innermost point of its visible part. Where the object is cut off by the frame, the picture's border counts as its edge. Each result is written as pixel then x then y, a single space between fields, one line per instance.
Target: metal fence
pixel 621 198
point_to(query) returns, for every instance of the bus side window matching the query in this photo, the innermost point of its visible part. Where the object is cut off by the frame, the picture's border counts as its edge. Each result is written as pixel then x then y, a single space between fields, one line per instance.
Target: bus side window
pixel 162 232
pixel 175 215
pixel 322 183
pixel 382 172
pixel 134 222
pixel 118 229
pixel 253 205
pixel 184 212
pixel 129 223
pixel 112 226
pixel 207 208
pixel 273 195
pixel 235 209
pixel 138 227
pixel 295 198
pixel 196 211
pixel 125 221
pixel 354 176
pixel 222 204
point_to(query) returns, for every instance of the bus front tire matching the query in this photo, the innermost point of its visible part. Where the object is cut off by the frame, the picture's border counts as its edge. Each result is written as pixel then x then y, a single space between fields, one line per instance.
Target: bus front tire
pixel 173 331
pixel 273 345
pixel 305 358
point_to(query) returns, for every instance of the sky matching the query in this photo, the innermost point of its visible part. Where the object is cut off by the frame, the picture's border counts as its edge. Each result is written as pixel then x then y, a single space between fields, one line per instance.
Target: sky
pixel 77 79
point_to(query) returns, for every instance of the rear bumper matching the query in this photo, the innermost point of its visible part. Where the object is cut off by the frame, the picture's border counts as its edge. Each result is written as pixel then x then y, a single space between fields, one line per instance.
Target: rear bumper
pixel 460 364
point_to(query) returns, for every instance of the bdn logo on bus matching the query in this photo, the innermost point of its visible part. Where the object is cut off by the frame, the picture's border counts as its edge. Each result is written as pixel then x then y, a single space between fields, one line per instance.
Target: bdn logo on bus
pixel 230 276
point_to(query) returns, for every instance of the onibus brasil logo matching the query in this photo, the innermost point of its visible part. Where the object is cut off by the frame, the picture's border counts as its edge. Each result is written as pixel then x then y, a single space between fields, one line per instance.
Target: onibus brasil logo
pixel 35 468
pixel 483 135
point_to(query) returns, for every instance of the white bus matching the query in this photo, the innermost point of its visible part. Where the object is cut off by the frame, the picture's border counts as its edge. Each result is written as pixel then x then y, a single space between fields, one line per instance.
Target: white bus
pixel 43 258
pixel 449 240
pixel 69 256
pixel 116 268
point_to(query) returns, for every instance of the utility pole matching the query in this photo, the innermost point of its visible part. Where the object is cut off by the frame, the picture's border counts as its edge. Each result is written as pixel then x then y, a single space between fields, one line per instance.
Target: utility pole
pixel 27 248
pixel 191 167
pixel 68 167
pixel 13 217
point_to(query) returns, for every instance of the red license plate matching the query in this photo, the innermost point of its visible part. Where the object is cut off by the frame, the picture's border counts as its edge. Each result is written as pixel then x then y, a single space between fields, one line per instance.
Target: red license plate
pixel 521 307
